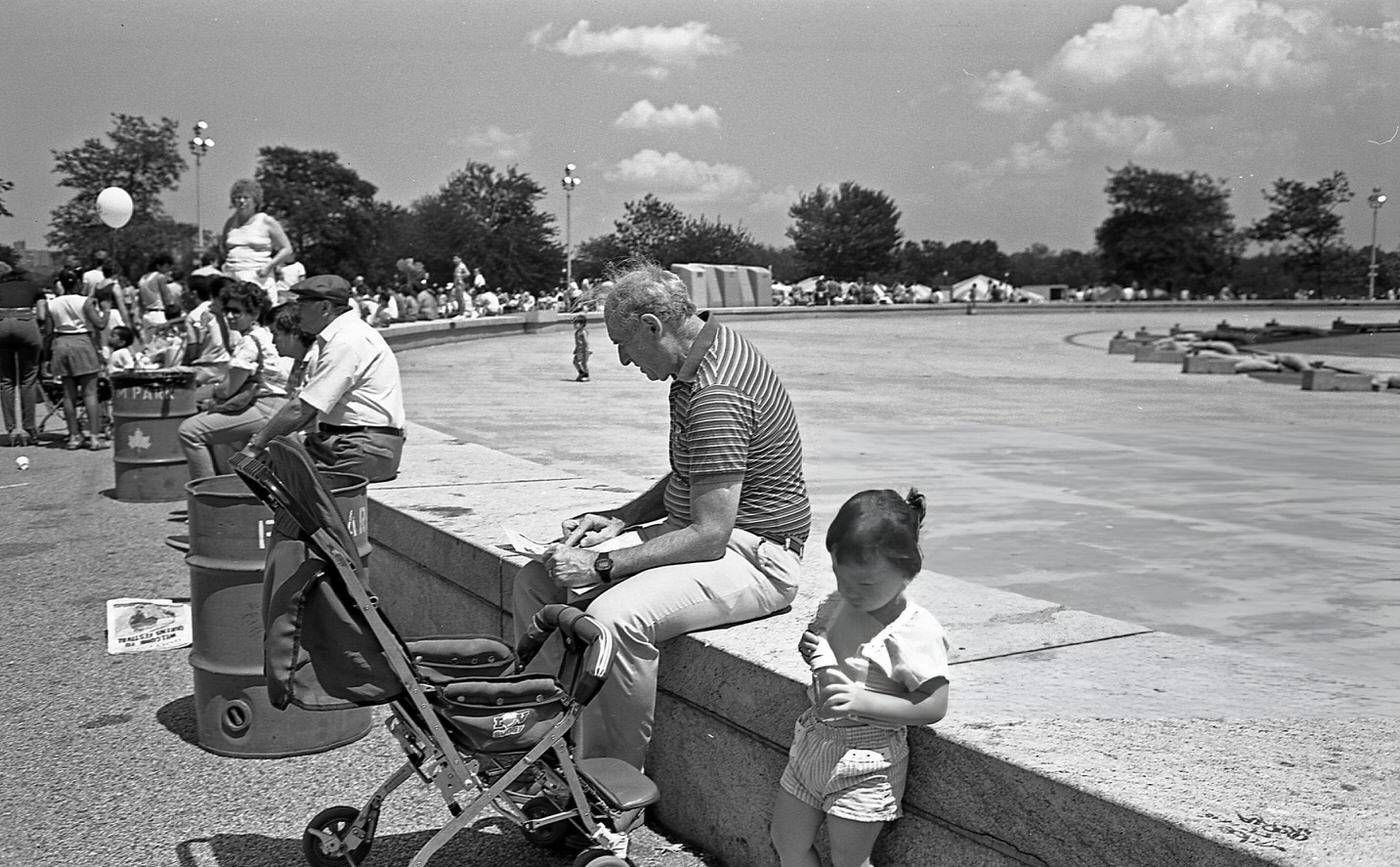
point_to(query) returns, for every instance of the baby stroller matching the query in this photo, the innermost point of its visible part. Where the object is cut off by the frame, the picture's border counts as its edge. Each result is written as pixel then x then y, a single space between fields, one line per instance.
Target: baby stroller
pixel 470 720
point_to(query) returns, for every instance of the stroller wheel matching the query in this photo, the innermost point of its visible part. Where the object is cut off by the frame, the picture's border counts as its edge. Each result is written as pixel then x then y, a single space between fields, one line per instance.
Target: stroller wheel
pixel 546 836
pixel 600 858
pixel 322 842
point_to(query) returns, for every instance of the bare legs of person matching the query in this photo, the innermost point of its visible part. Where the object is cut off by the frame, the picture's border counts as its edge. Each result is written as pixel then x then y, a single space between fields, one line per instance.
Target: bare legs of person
pixel 794 834
pixel 88 384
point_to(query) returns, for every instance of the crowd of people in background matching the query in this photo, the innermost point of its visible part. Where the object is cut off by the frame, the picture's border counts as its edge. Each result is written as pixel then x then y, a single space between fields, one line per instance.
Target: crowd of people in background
pixel 63 339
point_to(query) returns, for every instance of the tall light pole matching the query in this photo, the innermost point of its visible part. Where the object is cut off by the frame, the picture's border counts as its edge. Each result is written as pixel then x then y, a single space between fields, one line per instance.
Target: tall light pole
pixel 199 146
pixel 1376 199
pixel 569 183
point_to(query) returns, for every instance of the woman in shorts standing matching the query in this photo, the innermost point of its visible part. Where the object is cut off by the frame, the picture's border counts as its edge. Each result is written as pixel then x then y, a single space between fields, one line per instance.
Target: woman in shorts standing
pixel 75 323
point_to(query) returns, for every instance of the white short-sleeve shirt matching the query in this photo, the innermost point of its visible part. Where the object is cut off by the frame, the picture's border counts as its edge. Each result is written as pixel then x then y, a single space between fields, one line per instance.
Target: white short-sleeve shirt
pixel 352 377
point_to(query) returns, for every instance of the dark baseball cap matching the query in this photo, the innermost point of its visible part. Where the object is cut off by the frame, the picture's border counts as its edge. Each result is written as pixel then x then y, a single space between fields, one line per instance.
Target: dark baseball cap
pixel 327 287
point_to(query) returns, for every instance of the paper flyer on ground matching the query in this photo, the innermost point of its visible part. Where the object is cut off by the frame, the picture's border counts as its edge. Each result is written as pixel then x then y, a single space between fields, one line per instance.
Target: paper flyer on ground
pixel 148 624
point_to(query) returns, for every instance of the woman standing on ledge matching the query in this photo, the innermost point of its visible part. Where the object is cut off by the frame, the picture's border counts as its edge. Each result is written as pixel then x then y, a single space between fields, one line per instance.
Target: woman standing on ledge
pixel 252 244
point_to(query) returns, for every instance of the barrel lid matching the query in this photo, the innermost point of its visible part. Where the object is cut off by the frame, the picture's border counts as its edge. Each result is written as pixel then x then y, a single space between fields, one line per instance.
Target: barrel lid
pixel 159 375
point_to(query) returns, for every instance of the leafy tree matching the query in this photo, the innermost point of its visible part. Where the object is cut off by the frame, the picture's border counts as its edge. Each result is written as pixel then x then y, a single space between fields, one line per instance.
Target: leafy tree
pixel 1305 221
pixel 847 234
pixel 394 232
pixel 935 263
pixel 1168 231
pixel 782 261
pixel 658 231
pixel 326 208
pixel 650 229
pixel 5 187
pixel 490 219
pixel 1038 264
pixel 144 160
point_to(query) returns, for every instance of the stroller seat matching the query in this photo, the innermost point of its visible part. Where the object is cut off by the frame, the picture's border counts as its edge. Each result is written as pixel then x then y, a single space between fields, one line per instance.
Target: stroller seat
pixel 441 659
pixel 471 720
pixel 503 714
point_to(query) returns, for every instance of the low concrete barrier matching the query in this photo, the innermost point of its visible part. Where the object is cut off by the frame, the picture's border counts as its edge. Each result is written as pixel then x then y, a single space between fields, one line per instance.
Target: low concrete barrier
pixel 1214 364
pixel 1326 379
pixel 1071 739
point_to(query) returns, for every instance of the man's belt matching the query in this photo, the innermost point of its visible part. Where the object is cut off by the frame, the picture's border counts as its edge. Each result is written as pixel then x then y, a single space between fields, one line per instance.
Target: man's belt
pixel 787 543
pixel 361 428
pixel 16 312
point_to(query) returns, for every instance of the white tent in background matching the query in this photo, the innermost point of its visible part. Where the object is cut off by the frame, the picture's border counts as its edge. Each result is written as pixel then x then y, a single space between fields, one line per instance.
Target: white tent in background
pixel 980 288
pixel 1027 296
pixel 920 293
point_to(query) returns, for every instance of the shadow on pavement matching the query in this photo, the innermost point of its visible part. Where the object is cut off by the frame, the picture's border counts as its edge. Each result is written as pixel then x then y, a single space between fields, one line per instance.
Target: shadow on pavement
pixel 178 718
pixel 490 841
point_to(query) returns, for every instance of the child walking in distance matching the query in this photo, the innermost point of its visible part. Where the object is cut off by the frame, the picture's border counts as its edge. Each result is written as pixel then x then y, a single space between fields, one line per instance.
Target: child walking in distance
pixel 880 664
pixel 581 352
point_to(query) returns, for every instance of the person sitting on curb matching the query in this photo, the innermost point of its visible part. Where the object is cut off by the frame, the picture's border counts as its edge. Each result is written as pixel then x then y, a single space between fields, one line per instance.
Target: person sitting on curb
pixel 716 541
pixel 351 389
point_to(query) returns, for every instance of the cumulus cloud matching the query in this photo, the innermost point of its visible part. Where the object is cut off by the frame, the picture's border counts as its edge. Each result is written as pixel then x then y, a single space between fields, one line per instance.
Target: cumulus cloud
pixel 1101 134
pixel 1203 43
pixel 498 143
pixel 1011 93
pixel 645 116
pixel 664 47
pixel 675 177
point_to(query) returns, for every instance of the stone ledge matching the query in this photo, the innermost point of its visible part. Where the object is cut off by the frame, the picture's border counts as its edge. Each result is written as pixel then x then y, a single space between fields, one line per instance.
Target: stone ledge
pixel 1071 738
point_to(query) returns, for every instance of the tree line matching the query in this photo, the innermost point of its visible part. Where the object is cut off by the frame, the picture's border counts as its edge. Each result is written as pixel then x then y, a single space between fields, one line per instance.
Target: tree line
pixel 1168 232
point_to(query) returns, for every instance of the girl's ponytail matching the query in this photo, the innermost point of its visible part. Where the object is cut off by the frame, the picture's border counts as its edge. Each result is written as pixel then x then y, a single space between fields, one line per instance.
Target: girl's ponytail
pixel 918 506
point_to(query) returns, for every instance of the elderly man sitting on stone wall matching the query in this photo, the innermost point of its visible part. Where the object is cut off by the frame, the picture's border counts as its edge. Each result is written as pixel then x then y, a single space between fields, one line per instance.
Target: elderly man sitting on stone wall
pixel 718 540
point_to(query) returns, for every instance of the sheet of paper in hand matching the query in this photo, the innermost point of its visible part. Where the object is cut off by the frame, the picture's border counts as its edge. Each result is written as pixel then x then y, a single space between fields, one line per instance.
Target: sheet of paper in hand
pixel 521 544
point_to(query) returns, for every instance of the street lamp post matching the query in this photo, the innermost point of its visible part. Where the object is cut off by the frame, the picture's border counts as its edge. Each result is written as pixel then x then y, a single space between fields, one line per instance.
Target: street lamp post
pixel 199 146
pixel 1376 199
pixel 569 183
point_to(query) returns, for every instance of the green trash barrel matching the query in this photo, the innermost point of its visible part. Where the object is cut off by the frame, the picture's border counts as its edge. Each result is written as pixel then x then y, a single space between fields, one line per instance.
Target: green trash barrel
pixel 229 532
pixel 147 409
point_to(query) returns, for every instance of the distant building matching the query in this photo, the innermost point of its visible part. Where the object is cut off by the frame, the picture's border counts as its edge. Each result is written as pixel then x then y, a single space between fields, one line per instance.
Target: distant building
pixel 34 260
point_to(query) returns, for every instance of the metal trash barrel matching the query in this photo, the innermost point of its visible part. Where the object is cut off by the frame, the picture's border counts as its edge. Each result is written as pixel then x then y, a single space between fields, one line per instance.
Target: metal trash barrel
pixel 229 531
pixel 147 409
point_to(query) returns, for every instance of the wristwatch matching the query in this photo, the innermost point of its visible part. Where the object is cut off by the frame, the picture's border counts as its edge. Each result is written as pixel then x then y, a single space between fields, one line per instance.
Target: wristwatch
pixel 603 565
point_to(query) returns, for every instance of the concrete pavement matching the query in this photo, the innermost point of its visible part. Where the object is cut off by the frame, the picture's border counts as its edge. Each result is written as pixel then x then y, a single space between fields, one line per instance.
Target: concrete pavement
pixel 1248 512
pixel 1252 515
pixel 99 753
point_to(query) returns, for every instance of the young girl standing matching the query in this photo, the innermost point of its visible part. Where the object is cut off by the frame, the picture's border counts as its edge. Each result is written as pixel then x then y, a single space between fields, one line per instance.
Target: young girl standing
pixel 880 663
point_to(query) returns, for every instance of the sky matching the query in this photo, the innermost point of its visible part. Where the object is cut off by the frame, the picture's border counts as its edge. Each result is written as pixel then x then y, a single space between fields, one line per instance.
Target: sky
pixel 993 120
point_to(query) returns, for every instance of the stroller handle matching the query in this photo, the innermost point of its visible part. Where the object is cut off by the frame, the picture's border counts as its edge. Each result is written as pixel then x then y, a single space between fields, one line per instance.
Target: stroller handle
pixel 577 626
pixel 260 480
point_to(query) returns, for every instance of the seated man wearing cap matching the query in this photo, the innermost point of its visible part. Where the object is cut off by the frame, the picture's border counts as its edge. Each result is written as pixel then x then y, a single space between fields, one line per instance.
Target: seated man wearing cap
pixel 350 389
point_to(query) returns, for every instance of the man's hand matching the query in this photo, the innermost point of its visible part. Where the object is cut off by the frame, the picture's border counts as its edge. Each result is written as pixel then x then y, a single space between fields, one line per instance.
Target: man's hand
pixel 252 451
pixel 570 566
pixel 591 529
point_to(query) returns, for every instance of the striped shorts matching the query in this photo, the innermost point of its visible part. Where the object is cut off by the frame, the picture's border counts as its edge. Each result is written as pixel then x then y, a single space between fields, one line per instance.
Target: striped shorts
pixel 855 773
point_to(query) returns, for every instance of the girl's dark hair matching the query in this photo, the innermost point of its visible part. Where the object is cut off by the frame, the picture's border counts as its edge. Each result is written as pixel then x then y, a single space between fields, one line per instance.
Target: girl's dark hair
pixel 252 296
pixel 879 524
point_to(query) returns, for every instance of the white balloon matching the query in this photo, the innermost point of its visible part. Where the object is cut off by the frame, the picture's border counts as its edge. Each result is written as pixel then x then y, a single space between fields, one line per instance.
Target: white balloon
pixel 114 206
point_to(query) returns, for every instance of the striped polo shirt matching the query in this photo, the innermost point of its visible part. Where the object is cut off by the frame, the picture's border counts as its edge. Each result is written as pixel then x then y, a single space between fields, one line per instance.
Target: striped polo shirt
pixel 730 414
